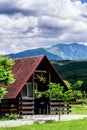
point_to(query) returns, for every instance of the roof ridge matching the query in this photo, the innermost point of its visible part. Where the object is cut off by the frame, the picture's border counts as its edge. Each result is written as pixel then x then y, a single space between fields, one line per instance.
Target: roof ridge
pixel 38 56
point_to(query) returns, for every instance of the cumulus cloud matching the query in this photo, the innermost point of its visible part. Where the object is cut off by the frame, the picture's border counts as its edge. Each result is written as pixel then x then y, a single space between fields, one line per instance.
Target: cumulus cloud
pixel 38 23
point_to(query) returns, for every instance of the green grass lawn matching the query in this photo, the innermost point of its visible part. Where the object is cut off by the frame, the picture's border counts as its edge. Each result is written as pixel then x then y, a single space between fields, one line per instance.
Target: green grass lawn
pixel 64 125
pixel 79 109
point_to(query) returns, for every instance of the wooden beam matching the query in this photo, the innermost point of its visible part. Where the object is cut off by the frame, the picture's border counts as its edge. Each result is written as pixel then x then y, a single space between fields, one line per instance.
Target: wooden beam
pixel 40 71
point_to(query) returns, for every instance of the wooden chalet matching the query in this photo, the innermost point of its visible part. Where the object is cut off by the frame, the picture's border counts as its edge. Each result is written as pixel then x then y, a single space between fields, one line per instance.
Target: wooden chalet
pixel 21 98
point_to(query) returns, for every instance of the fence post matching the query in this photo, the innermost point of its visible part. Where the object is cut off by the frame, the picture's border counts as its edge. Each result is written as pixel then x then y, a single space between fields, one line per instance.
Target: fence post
pixel 67 107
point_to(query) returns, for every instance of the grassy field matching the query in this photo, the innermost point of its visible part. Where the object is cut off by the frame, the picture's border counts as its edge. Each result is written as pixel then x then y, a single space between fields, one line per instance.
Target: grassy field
pixel 79 109
pixel 64 125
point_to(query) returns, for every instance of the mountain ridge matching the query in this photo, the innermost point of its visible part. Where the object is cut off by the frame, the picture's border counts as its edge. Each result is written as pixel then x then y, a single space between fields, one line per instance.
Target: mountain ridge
pixel 72 51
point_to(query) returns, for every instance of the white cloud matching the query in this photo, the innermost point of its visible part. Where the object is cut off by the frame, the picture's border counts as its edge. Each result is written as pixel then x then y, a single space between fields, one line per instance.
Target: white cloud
pixel 26 24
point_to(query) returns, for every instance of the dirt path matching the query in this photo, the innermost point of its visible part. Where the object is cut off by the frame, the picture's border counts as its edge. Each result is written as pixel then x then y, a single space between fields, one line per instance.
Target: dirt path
pixel 39 119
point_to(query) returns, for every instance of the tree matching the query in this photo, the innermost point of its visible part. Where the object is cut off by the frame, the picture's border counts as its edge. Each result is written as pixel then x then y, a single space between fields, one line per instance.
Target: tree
pixel 57 91
pixel 6 76
pixel 76 88
pixel 77 85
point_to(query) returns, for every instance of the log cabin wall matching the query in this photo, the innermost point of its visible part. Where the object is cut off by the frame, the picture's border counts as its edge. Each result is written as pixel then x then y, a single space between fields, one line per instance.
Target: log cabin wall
pixel 19 106
pixel 26 106
pixel 9 106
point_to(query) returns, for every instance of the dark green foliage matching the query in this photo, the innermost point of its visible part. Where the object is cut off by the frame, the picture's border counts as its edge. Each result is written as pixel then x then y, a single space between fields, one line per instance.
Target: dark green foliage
pixel 73 71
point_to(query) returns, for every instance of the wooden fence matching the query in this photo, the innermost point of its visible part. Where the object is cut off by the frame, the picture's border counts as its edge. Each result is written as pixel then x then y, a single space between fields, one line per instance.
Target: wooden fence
pixel 57 107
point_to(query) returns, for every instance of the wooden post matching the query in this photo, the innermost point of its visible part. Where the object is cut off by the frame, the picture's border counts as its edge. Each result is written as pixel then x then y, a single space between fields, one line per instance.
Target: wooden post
pixel 59 111
pixel 49 77
pixel 33 83
pixel 20 106
pixel 67 107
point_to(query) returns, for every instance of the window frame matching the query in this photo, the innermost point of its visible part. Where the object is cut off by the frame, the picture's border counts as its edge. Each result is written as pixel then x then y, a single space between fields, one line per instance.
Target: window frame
pixel 28 90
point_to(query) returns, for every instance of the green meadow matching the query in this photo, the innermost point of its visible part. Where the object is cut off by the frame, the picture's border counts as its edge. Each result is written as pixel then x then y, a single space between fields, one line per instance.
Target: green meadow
pixel 64 125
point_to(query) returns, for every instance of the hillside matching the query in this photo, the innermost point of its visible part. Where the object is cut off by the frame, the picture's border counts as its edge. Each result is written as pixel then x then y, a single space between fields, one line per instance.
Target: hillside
pixel 72 70
pixel 72 51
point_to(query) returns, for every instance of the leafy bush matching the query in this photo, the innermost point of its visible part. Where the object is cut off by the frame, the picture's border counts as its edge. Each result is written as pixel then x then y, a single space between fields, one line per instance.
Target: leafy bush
pixel 13 116
pixel 2 117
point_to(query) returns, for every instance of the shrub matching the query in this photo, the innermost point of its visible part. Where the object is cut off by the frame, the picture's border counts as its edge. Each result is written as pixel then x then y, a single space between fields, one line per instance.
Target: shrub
pixel 13 116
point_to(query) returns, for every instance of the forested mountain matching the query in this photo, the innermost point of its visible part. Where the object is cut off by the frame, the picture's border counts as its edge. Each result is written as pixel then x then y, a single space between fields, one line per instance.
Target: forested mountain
pixel 72 70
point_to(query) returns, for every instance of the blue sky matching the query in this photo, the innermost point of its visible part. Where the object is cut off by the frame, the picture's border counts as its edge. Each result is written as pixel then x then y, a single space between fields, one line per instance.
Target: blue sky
pixel 28 24
pixel 83 1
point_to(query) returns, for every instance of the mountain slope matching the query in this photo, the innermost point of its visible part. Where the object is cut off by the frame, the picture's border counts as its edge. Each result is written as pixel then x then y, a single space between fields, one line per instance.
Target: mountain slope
pixel 72 51
pixel 34 52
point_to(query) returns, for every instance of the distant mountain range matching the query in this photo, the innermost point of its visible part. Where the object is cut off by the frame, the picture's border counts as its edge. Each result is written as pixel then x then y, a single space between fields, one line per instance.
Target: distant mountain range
pixel 72 51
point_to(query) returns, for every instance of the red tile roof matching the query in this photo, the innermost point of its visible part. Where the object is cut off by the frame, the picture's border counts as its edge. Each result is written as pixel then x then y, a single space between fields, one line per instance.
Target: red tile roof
pixel 22 70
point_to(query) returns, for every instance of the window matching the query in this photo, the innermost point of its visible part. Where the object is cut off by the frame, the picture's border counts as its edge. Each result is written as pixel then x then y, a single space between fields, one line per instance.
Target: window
pixel 28 90
pixel 24 91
